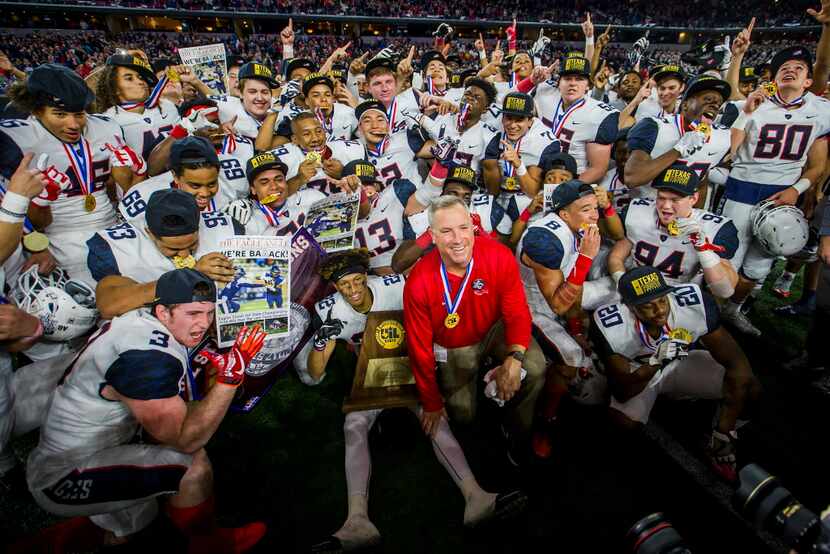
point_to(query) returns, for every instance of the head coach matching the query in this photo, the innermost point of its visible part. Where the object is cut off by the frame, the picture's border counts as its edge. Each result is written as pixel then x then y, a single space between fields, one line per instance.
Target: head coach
pixel 464 301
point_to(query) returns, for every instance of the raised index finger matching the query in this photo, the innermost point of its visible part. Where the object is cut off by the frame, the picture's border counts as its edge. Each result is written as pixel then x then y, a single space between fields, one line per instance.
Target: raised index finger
pixel 751 25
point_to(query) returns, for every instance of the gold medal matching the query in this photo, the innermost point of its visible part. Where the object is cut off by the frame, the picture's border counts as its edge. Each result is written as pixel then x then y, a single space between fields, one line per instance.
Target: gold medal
pixel 510 183
pixel 35 242
pixel 681 334
pixel 268 199
pixel 770 88
pixel 313 156
pixel 173 75
pixel 182 263
pixel 673 229
pixel 90 203
pixel 452 320
pixel 705 129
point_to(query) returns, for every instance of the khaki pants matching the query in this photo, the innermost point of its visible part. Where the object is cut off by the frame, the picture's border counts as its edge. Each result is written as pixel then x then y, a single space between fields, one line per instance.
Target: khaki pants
pixel 460 375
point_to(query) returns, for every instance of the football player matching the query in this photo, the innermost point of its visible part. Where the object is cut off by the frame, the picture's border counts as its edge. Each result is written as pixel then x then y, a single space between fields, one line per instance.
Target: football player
pixel 555 255
pixel 129 93
pixel 688 137
pixel 273 287
pixel 85 443
pixel 778 157
pixel 78 154
pixel 381 79
pixel 343 315
pixel 684 243
pixel 233 75
pixel 670 82
pixel 249 110
pixel 585 127
pixel 228 294
pixel 644 344
pixel 614 181
pixel 126 262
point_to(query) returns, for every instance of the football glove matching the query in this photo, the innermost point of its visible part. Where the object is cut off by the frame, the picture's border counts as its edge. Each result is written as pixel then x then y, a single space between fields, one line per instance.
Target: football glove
pixel 124 156
pixel 198 120
pixel 330 328
pixel 387 52
pixel 690 143
pixel 240 210
pixel 443 31
pixel 444 149
pixel 540 46
pixel 690 228
pixel 230 366
pixel 668 351
pixel 56 182
pixel 721 453
pixel 290 90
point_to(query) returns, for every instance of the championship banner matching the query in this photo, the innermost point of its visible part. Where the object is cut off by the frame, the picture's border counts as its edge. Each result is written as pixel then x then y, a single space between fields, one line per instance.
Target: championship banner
pixel 332 221
pixel 259 291
pixel 383 378
pixel 209 63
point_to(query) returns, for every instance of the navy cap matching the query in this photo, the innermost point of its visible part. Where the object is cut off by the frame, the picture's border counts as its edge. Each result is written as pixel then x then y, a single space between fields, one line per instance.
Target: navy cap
pixel 172 213
pixel 143 67
pixel 299 63
pixel 461 174
pixel 339 72
pixel 563 160
pixel 518 104
pixel 677 178
pixel 668 71
pixel 263 162
pixel 459 78
pixel 454 58
pixel 642 284
pixel 363 169
pixel 179 287
pixel 259 72
pixel 376 63
pixel 59 87
pixel 364 107
pixel 564 194
pixel 781 57
pixel 235 61
pixel 748 75
pixel 162 63
pixel 576 65
pixel 193 150
pixel 314 79
pixel 707 82
pixel 429 56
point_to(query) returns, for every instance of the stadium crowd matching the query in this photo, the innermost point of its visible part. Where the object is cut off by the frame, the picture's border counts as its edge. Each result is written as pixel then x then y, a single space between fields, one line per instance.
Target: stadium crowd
pixel 589 221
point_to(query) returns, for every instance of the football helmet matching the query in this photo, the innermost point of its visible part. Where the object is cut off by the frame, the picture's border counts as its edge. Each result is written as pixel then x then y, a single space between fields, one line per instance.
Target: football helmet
pixel 780 230
pixel 66 307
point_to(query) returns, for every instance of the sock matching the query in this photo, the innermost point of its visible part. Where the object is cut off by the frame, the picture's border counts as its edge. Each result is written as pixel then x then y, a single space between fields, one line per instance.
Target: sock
pixel 478 503
pixel 785 281
pixel 553 394
pixel 193 520
pixel 358 530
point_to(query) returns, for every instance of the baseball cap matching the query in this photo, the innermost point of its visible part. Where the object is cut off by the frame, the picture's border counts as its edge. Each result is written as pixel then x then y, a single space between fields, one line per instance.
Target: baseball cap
pixel 677 178
pixel 144 69
pixel 259 72
pixel 748 75
pixel 364 107
pixel 193 150
pixel 668 70
pixel 263 162
pixel 792 53
pixel 172 213
pixel 642 284
pixel 235 61
pixel 314 79
pixel 568 192
pixel 363 169
pixel 561 159
pixel 461 174
pixel 161 64
pixel 339 72
pixel 519 104
pixel 299 63
pixel 375 63
pixel 59 87
pixel 431 55
pixel 707 82
pixel 179 287
pixel 458 78
pixel 576 65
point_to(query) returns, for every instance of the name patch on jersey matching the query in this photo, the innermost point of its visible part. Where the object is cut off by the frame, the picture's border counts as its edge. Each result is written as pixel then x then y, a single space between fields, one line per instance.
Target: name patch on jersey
pixel 389 334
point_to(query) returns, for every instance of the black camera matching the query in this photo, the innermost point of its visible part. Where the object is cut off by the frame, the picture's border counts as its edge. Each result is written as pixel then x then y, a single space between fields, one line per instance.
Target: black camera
pixel 654 534
pixel 771 507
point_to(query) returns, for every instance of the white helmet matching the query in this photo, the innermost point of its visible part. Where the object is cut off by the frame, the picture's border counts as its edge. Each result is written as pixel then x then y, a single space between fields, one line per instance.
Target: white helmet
pixel 780 230
pixel 65 307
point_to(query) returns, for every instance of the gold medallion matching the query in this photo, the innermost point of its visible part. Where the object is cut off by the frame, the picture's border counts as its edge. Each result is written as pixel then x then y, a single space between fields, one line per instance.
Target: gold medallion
pixel 313 156
pixel 770 88
pixel 510 183
pixel 35 242
pixel 173 75
pixel 451 321
pixel 673 229
pixel 90 203
pixel 681 334
pixel 270 198
pixel 705 129
pixel 186 262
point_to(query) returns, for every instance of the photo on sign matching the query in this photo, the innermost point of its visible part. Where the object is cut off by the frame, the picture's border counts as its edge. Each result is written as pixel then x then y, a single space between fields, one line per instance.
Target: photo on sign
pixel 209 63
pixel 332 221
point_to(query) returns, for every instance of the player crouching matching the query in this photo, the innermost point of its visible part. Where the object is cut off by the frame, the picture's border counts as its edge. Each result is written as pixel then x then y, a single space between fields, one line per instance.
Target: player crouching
pixel 129 376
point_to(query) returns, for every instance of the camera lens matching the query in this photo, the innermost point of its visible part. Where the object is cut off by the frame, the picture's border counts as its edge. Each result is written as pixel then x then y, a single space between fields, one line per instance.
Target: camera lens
pixel 654 534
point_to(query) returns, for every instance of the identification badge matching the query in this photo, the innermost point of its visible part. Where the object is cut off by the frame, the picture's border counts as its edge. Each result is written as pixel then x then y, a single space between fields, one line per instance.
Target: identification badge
pixel 440 353
pixel 452 320
pixel 90 203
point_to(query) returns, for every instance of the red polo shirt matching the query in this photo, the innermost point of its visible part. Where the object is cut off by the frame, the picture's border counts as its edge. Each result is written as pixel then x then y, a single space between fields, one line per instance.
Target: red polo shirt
pixel 494 292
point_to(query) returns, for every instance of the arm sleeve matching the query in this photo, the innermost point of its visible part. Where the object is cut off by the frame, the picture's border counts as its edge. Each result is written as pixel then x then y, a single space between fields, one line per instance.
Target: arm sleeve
pixel 710 306
pixel 145 374
pixel 493 149
pixel 100 259
pixel 404 188
pixel 10 155
pixel 608 129
pixel 643 136
pixel 419 342
pixel 727 236
pixel 543 248
pixel 415 139
pixel 514 309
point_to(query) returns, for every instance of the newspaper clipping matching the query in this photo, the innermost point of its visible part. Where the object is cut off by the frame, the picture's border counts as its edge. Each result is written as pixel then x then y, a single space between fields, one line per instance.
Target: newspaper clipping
pixel 209 64
pixel 260 291
pixel 332 221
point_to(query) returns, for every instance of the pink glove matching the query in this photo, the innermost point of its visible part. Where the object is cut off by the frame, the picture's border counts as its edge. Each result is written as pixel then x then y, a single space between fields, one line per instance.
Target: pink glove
pixel 230 366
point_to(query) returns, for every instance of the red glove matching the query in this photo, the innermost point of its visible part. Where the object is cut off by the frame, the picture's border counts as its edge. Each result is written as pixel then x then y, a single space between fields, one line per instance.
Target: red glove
pixel 230 366
pixel 124 156
pixel 56 182
pixel 511 37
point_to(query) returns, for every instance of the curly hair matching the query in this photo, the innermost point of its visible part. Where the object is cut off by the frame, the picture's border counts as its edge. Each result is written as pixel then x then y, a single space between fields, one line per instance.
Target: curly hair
pixel 337 262
pixel 106 93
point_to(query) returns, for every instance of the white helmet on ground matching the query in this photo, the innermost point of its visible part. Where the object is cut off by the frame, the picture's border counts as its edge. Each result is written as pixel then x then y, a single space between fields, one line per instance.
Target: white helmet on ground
pixel 779 230
pixel 65 307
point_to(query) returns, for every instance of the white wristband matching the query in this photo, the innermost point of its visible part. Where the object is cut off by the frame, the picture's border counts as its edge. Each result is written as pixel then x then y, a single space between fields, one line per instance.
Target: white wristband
pixel 616 276
pixel 741 121
pixel 521 170
pixel 708 259
pixel 589 41
pixel 802 185
pixel 14 207
pixel 287 51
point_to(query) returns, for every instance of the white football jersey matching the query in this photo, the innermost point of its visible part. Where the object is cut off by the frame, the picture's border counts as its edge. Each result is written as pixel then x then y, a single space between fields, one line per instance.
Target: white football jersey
pixel 537 144
pixel 19 136
pixel 551 243
pixel 490 214
pixel 619 193
pixel 620 332
pixel 650 107
pixel 777 141
pixel 399 111
pixel 383 229
pixel 396 159
pixel 473 140
pixel 656 136
pixel 285 220
pixel 233 182
pixel 586 120
pixel 124 250
pixel 344 151
pixel 340 126
pixel 142 131
pixel 137 356
pixel 674 256
pixel 230 107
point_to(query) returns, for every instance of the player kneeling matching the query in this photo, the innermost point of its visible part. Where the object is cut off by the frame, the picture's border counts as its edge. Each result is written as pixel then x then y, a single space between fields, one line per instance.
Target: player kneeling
pixel 343 316
pixel 644 344
pixel 129 376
